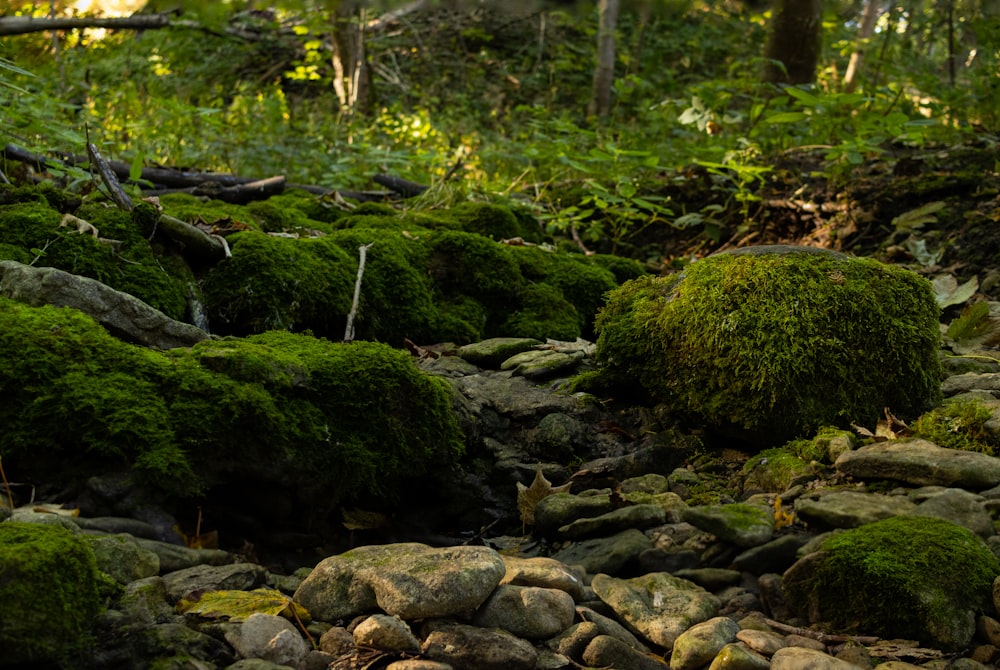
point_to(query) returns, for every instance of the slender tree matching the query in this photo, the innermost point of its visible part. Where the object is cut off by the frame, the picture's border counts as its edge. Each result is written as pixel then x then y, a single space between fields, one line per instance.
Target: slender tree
pixel 604 72
pixel 794 42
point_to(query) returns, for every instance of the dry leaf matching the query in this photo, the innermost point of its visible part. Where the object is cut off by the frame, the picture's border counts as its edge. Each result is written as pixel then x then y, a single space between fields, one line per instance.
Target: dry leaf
pixel 358 519
pixel 529 496
pixel 237 606
pixel 781 517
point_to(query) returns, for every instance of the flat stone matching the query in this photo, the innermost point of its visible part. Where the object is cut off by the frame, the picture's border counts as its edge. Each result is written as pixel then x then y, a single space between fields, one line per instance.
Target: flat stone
pixel 658 605
pixel 492 352
pixel 123 559
pixel 615 521
pixel 528 612
pixel 462 646
pixel 608 652
pixel 545 572
pixel 541 364
pixel 799 658
pixel 735 656
pixel 850 509
pixel 921 463
pixel 699 644
pixel 742 524
pixel 236 577
pixel 606 554
pixel 774 556
pixel 269 637
pixel 561 509
pixel 387 633
pixel 960 507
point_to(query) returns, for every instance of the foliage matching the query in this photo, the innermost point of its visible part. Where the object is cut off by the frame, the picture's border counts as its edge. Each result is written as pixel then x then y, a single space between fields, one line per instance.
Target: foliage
pixel 826 339
pixel 958 425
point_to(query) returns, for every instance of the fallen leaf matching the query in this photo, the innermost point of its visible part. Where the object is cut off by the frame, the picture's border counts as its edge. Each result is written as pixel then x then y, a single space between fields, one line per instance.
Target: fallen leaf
pixel 529 496
pixel 237 606
pixel 947 292
pixel 781 517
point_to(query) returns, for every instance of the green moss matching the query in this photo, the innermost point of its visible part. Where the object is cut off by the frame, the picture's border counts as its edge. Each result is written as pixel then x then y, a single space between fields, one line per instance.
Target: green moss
pixel 774 346
pixel 958 425
pixel 486 219
pixel 49 590
pixel 916 577
pixel 276 217
pixel 774 470
pixel 544 313
pixel 374 209
pixel 622 268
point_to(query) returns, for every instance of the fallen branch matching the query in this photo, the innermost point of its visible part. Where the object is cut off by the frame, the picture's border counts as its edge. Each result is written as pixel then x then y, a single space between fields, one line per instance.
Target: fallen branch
pixel 21 25
pixel 404 187
pixel 109 178
pixel 825 638
pixel 349 331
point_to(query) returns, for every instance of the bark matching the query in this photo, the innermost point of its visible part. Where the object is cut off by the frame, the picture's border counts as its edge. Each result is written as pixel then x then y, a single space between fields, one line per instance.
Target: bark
pixel 21 25
pixel 404 187
pixel 604 71
pixel 873 10
pixel 352 74
pixel 794 42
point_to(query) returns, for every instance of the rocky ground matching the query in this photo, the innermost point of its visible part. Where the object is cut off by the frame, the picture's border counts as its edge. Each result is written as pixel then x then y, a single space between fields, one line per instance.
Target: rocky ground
pixel 653 553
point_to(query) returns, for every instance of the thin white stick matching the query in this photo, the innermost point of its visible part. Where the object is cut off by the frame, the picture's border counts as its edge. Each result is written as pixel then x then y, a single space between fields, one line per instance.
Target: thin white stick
pixel 349 331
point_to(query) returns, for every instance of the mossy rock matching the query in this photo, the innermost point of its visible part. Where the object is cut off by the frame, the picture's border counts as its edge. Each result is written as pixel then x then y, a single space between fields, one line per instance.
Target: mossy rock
pixel 771 346
pixel 49 587
pixel 907 577
pixel 544 313
pixel 960 424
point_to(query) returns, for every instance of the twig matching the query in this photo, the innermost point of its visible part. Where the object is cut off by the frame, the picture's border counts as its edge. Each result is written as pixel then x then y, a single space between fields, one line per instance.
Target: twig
pixel 349 331
pixel 816 635
pixel 579 242
pixel 109 178
pixel 6 486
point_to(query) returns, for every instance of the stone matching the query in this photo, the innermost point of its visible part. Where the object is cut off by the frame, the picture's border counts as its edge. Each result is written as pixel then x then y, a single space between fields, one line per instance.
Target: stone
pixel 337 641
pixel 145 602
pixel 850 509
pixel 761 641
pixel 174 557
pixel 256 664
pixel 921 463
pixel 906 577
pixel 539 365
pixel 652 483
pixel 542 571
pixel 123 559
pixel 735 656
pixel 988 629
pixel 958 506
pixel 574 640
pixel 560 509
pixel 492 352
pixel 639 517
pixel 608 652
pixel 410 580
pixel 658 605
pixel 711 579
pixel 417 664
pixel 799 658
pixel 236 577
pixel 699 644
pixel 123 315
pixel 470 648
pixel 774 556
pixel 742 524
pixel 116 525
pixel 269 637
pixel 608 626
pixel 386 633
pixel 605 554
pixel 528 612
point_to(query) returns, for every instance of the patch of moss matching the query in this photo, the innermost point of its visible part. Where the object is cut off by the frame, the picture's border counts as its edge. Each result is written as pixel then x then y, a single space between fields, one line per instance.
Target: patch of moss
pixel 917 577
pixel 278 217
pixel 489 220
pixel 49 590
pixel 774 470
pixel 544 313
pixel 622 268
pixel 773 346
pixel 958 425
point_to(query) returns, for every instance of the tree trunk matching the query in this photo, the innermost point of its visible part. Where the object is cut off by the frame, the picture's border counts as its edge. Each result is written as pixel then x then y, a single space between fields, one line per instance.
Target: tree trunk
pixel 352 77
pixel 873 10
pixel 604 72
pixel 794 42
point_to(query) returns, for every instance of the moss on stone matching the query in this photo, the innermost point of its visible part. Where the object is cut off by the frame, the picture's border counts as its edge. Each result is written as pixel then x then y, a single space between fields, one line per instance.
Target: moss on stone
pixel 49 590
pixel 905 577
pixel 958 425
pixel 773 346
pixel 544 313
pixel 489 220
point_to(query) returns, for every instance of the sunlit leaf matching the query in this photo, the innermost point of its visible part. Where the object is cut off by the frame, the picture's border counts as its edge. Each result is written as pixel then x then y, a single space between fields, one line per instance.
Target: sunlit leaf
pixel 237 606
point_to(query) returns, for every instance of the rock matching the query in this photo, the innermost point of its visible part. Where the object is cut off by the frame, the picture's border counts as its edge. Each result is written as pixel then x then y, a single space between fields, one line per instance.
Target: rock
pixel 272 638
pixel 410 580
pixel 49 593
pixel 971 381
pixel 988 628
pixel 574 640
pixel 174 557
pixel 561 509
pixel 470 648
pixel 605 554
pixel 711 579
pixel 22 515
pixel 699 644
pixel 652 483
pixel 542 571
pixel 958 506
pixel 492 352
pixel 145 602
pixel 608 652
pixel 528 612
pixel 850 509
pixel 337 641
pixel 798 658
pixel 558 433
pixel 115 525
pixel 904 577
pixel 236 577
pixel 761 641
pixel 386 633
pixel 608 626
pixel 738 657
pixel 658 606
pixel 539 365
pixel 774 556
pixel 921 463
pixel 123 315
pixel 256 664
pixel 738 363
pixel 639 517
pixel 121 557
pixel 417 664
pixel 742 524
pixel 171 640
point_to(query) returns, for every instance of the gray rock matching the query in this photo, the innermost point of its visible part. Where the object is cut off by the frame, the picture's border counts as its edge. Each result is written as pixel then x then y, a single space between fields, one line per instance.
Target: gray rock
pixel 528 612
pixel 711 579
pixel 799 658
pixel 605 554
pixel 561 509
pixel 608 626
pixel 558 432
pixel 257 664
pixel 115 525
pixel 471 648
pixel 410 580
pixel 658 606
pixel 268 637
pixel 21 515
pixel 960 507
pixel 850 509
pixel 145 602
pixel 921 463
pixel 386 633
pixel 337 641
pixel 699 644
pixel 417 664
pixel 574 640
pixel 608 652
pixel 448 366
pixel 544 572
pixel 651 483
pixel 121 557
pixel 167 639
pixel 681 481
pixel 542 365
pixel 774 556
pixel 737 657
pixel 615 521
pixel 971 381
pixel 492 352
pixel 124 315
pixel 237 577
pixel 174 557
pixel 742 524
pixel 761 641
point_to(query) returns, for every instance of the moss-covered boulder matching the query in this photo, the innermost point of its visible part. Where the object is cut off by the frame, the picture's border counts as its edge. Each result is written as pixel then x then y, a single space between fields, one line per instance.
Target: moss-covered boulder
pixel 49 587
pixel 907 577
pixel 773 345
